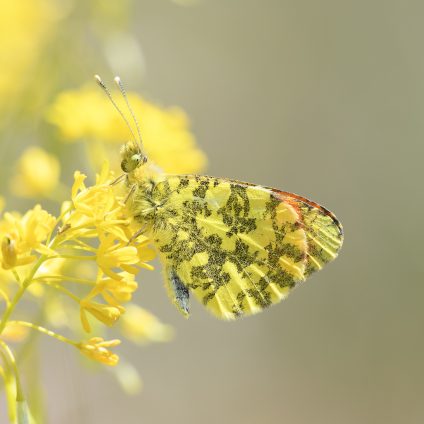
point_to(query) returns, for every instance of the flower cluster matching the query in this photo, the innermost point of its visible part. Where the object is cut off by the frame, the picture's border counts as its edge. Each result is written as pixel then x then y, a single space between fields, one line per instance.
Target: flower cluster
pixel 37 249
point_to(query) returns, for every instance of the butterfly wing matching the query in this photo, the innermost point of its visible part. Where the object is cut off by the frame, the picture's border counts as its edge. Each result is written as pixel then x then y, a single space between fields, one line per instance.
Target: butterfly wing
pixel 238 247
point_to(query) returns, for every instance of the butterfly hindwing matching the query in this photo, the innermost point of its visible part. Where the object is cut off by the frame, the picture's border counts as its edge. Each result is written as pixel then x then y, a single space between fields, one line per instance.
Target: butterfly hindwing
pixel 238 247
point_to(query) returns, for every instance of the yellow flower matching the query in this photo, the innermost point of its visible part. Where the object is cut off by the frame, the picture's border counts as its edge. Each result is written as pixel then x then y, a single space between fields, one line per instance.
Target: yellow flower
pixel 37 174
pixel 96 348
pixel 112 255
pixel 10 255
pixel 140 326
pixel 86 114
pixel 94 202
pixel 145 254
pixel 116 291
pixel 105 313
pixel 21 235
pixel 35 226
pixel 97 208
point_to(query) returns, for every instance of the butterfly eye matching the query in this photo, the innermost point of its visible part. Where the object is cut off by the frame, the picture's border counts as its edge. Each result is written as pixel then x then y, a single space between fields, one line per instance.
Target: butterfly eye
pixel 136 158
pixel 129 164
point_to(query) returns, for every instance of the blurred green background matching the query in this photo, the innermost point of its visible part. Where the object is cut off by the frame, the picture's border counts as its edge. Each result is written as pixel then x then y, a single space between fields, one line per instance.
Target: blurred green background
pixel 321 98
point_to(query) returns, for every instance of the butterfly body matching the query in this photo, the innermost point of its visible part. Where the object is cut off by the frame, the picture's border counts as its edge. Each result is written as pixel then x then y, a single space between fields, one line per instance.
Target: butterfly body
pixel 237 247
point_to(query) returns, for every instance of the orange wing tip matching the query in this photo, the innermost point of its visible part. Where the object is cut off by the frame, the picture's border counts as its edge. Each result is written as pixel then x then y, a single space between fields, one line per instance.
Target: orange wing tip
pixel 294 199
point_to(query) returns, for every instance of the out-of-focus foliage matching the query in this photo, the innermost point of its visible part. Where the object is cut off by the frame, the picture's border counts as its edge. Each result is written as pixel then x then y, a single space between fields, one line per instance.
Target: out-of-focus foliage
pixel 26 26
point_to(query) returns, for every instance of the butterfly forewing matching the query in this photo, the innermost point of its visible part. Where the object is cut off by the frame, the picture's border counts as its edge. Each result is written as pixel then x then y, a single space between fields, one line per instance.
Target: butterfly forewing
pixel 239 247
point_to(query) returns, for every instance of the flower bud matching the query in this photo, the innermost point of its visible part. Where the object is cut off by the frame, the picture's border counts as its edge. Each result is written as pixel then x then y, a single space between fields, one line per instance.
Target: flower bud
pixel 8 250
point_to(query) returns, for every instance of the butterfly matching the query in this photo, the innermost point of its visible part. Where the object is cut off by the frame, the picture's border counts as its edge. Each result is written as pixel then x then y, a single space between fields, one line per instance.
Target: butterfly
pixel 236 247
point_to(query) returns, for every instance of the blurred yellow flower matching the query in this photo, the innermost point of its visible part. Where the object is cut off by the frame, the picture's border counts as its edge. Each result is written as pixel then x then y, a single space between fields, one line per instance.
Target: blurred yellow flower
pixel 14 332
pixel 87 114
pixel 140 326
pixel 128 377
pixel 37 174
pixel 24 25
pixel 96 348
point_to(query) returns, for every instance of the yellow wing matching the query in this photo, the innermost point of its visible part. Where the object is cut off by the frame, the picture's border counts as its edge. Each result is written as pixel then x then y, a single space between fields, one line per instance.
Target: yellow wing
pixel 238 247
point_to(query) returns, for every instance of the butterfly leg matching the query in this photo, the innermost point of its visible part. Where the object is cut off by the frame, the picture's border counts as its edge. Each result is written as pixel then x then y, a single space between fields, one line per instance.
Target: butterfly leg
pixel 118 179
pixel 130 193
pixel 136 234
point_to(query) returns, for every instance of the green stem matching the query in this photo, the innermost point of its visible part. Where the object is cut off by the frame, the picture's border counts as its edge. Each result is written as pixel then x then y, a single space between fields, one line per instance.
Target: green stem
pixel 11 360
pixel 10 388
pixel 64 278
pixel 44 331
pixel 77 257
pixel 16 275
pixel 63 290
pixel 81 246
pixel 49 241
pixel 10 308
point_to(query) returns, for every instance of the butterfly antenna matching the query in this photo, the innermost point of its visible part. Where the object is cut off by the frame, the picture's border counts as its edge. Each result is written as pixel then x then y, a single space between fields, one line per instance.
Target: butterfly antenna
pixel 124 95
pixel 108 93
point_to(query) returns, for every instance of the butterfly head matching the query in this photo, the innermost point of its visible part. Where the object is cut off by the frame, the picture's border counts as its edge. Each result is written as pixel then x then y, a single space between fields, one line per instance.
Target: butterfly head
pixel 132 157
pixel 131 153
